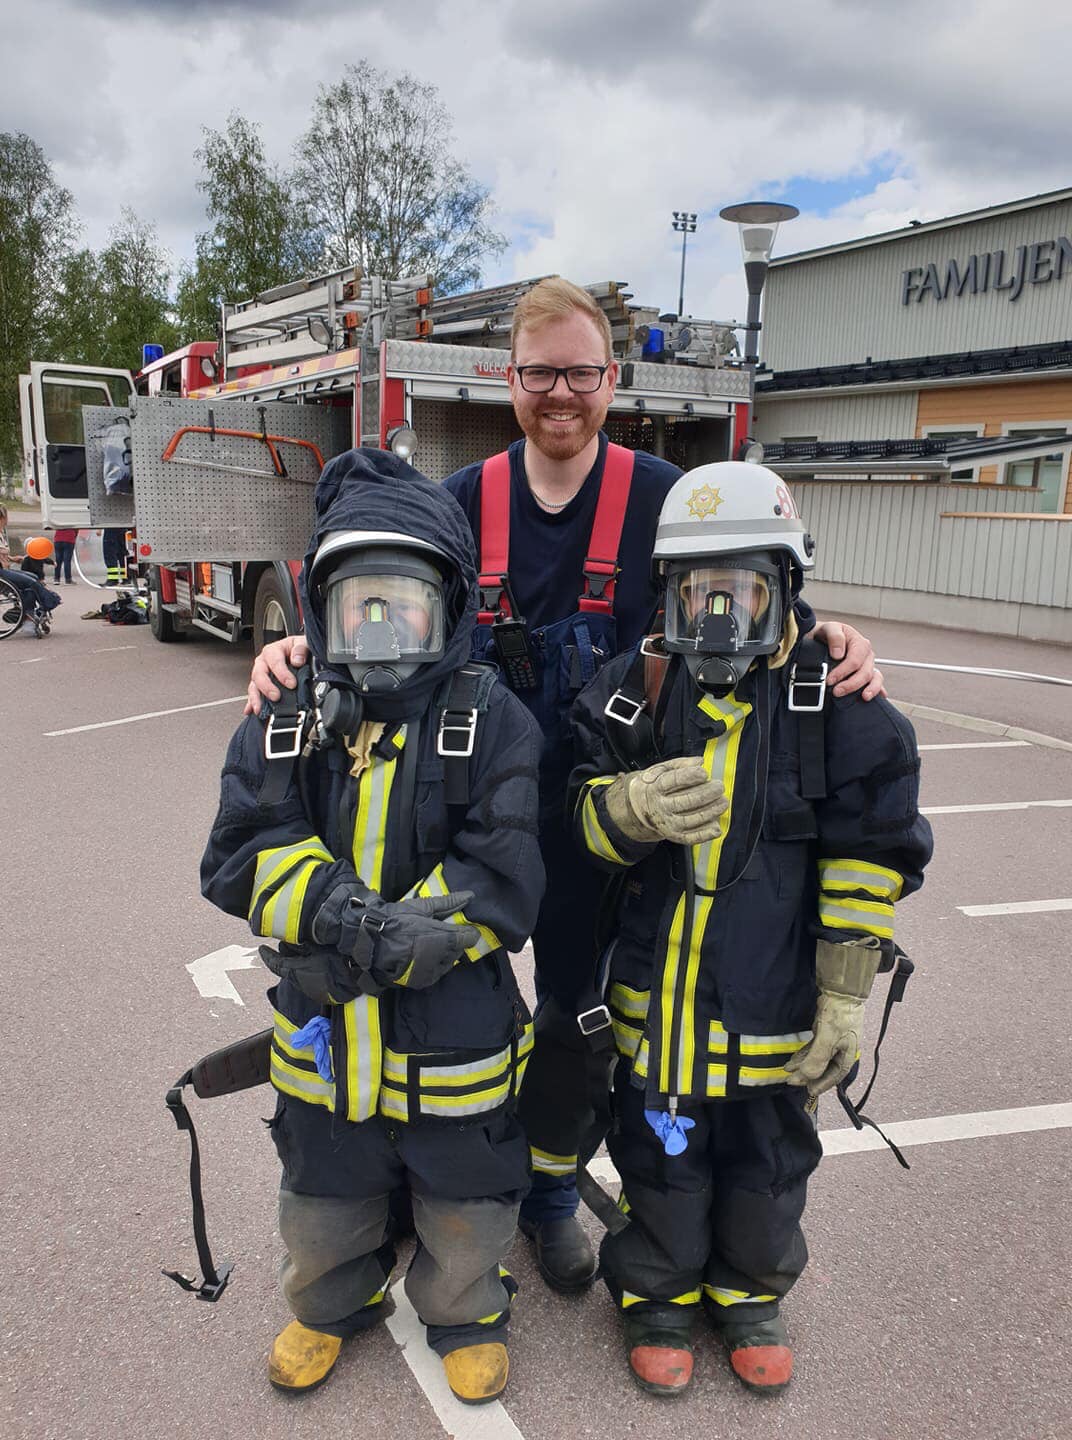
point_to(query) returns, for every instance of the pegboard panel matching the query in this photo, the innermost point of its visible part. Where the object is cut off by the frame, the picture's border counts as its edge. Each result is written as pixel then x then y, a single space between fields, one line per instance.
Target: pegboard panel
pixel 104 510
pixel 453 434
pixel 216 496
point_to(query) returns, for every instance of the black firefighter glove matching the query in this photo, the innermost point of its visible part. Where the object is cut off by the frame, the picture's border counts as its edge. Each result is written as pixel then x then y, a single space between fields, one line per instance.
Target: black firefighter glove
pixel 325 976
pixel 396 942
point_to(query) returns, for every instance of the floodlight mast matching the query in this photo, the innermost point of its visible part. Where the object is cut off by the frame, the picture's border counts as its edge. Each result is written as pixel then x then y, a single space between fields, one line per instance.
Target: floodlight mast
pixel 685 221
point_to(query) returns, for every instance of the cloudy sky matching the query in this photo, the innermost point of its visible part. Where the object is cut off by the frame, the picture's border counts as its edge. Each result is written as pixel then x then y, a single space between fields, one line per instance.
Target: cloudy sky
pixel 588 122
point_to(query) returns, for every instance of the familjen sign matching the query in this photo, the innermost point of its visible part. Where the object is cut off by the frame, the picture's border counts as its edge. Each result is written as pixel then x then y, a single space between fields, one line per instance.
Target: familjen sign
pixel 1035 264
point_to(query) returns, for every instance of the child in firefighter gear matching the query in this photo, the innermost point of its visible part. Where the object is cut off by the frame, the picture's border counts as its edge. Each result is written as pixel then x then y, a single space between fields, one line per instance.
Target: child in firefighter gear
pixel 400 1036
pixel 760 858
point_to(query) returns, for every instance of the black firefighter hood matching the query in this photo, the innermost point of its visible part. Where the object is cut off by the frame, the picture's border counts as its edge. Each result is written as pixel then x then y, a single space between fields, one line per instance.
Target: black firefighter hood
pixel 375 490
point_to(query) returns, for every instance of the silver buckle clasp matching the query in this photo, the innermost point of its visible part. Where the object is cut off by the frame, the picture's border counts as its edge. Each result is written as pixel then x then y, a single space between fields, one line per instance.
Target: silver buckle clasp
pixel 457 722
pixel 287 732
pixel 624 709
pixel 795 686
pixel 590 1022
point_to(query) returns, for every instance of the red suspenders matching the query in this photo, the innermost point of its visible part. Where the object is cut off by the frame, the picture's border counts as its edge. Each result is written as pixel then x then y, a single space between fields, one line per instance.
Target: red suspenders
pixel 601 562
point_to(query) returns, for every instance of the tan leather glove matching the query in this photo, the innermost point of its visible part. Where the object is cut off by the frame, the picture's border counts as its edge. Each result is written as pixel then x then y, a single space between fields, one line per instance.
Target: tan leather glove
pixel 844 974
pixel 674 800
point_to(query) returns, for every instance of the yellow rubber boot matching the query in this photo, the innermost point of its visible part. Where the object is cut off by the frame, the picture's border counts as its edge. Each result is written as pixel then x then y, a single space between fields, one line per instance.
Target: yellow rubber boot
pixel 477 1373
pixel 302 1358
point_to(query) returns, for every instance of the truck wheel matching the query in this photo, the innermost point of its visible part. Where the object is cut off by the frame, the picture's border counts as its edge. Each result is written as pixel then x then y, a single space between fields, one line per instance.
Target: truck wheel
pixel 274 612
pixel 161 621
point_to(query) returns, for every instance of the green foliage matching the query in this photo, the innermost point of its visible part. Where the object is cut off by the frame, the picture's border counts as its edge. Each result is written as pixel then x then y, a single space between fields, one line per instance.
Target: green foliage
pixel 37 227
pixel 381 189
pixel 113 303
pixel 255 242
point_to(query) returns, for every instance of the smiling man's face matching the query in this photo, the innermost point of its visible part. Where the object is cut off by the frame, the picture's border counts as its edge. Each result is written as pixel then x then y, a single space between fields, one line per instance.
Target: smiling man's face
pixel 560 423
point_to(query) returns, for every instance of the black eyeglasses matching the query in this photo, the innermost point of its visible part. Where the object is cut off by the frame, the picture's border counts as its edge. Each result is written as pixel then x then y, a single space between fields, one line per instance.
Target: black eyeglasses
pixel 581 379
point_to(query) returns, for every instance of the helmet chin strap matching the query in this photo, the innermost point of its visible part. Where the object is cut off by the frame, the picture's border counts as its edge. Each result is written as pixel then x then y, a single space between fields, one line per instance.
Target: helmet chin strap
pixel 718 675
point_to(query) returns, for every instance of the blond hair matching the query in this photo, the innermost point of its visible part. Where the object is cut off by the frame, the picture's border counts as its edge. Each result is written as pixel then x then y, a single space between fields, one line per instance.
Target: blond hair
pixel 557 299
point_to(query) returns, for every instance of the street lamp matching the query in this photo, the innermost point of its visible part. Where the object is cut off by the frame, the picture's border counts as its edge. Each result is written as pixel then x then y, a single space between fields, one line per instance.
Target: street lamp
pixel 686 223
pixel 757 222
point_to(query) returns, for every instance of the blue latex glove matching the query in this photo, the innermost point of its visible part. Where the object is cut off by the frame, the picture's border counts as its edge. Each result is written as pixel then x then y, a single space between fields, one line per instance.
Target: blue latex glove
pixel 673 1133
pixel 315 1035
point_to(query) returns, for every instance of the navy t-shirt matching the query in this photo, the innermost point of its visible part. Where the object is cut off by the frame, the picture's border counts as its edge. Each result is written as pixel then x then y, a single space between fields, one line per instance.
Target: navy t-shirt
pixel 547 549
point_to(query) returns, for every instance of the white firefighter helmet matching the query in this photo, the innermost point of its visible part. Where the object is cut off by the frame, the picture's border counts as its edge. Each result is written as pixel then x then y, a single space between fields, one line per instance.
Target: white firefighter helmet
pixel 728 539
pixel 728 507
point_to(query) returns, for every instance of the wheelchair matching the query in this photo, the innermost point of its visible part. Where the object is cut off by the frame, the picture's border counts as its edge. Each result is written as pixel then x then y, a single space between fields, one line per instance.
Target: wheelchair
pixel 16 607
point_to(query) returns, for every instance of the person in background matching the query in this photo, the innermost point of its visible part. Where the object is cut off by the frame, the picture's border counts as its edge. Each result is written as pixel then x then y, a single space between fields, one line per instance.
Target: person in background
pixel 5 544
pixel 64 542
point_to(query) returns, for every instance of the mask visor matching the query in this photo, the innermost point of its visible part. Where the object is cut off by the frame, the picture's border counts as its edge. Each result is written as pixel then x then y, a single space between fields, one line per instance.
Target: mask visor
pixel 380 618
pixel 724 609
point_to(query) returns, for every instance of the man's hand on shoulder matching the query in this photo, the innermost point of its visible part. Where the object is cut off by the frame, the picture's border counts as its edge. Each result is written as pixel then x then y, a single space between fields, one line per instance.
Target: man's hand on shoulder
pixel 270 670
pixel 854 655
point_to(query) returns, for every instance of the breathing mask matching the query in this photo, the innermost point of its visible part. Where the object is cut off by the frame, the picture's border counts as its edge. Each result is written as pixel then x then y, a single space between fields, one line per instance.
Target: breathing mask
pixel 384 612
pixel 720 613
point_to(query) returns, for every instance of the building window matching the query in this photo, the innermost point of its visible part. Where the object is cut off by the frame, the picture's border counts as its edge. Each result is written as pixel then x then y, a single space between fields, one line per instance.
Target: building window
pixel 1045 471
pixel 965 432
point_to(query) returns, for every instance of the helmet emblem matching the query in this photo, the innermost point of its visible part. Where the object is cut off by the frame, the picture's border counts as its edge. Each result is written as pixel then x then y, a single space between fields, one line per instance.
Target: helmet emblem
pixel 704 501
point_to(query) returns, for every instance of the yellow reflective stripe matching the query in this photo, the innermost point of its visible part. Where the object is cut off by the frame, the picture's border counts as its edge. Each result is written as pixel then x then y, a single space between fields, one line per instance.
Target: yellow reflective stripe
pixel 875 880
pixel 396 1069
pixel 482 1085
pixel 716 1080
pixel 626 1037
pixel 666 1009
pixel 755 1075
pixel 717 1039
pixel 364 1056
pixel 633 1004
pixel 435 884
pixel 547 1164
pixel 642 1058
pixel 723 1296
pixel 774 1044
pixel 596 839
pixel 690 1297
pixel 491 1319
pixel 874 917
pixel 279 885
pixel 466 1104
pixel 370 823
pixel 302 1087
pixel 720 761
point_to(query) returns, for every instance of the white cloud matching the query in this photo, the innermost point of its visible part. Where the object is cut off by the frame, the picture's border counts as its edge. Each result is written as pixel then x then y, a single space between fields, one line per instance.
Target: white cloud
pixel 588 125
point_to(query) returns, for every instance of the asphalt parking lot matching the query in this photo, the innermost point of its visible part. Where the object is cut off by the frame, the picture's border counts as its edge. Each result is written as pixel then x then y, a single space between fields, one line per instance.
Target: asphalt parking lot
pixel 936 1304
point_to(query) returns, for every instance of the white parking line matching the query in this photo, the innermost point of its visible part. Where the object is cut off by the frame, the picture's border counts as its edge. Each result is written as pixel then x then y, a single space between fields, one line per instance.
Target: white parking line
pixel 931 1131
pixel 149 715
pixel 462 1422
pixel 1005 805
pixel 1017 907
pixel 979 745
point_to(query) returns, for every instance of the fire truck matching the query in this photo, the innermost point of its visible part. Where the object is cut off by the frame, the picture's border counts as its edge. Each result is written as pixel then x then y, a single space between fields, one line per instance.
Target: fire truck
pixel 228 437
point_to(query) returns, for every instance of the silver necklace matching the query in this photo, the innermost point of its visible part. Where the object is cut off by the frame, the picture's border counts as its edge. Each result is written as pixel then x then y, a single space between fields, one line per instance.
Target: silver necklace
pixel 557 504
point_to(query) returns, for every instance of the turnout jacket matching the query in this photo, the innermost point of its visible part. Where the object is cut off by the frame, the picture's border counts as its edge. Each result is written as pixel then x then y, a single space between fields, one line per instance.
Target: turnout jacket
pixel 456 1049
pixel 712 985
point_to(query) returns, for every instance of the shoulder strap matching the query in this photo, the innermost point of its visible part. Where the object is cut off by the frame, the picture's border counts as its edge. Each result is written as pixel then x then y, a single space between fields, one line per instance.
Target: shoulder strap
pixel 494 536
pixel 289 721
pixel 807 698
pixel 467 698
pixel 601 562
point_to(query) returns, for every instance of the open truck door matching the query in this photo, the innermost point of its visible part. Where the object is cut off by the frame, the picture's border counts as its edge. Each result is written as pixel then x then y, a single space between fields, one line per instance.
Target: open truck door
pixel 53 441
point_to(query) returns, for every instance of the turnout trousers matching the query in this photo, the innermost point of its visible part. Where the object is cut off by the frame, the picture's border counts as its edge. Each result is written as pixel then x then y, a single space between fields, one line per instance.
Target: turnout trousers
pixel 719 1223
pixel 466 1182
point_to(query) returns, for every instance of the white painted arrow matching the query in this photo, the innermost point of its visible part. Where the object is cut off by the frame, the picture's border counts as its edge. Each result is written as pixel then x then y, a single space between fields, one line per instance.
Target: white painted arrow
pixel 209 973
